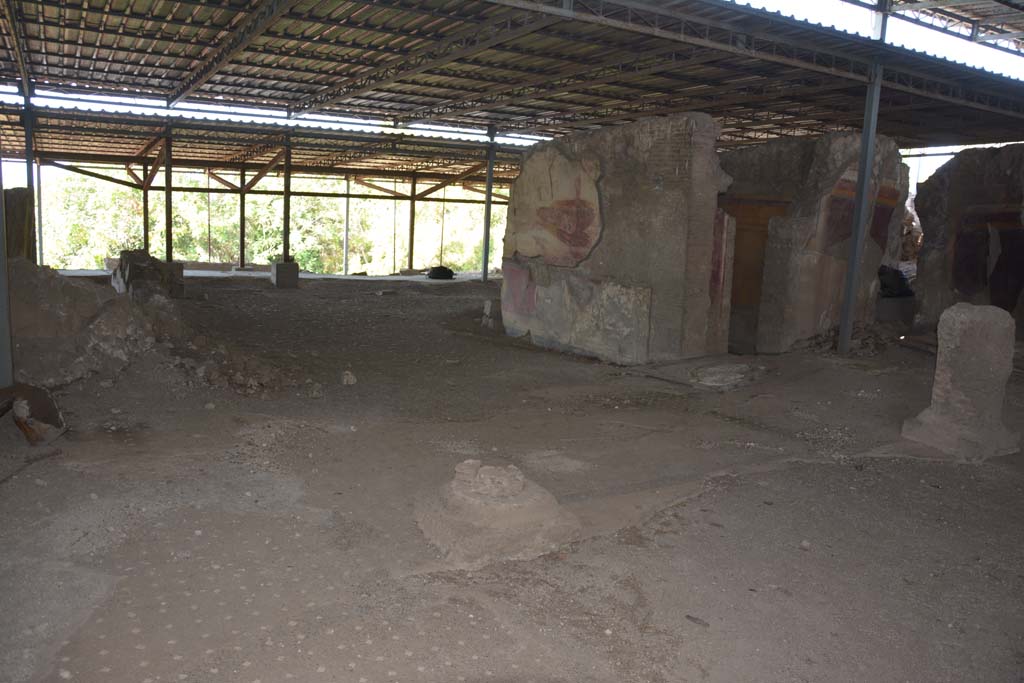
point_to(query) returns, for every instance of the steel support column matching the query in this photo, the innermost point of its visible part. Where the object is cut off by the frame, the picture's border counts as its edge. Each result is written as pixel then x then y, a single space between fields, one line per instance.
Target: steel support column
pixel 287 236
pixel 241 218
pixel 6 344
pixel 30 168
pixel 489 192
pixel 412 220
pixel 168 207
pixel 862 207
pixel 145 209
pixel 348 199
pixel 39 211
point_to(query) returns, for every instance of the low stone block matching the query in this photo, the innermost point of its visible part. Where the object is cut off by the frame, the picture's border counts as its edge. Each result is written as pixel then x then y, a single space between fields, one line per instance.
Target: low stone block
pixel 974 362
pixel 142 275
pixel 285 275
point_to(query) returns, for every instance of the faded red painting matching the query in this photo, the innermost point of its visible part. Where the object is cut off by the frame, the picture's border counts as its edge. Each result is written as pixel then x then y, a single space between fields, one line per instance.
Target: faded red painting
pixel 570 220
pixel 564 231
pixel 573 222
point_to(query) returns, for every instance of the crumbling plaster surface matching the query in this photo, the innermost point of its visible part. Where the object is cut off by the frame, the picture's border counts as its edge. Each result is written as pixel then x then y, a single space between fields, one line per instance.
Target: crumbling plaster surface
pixel 800 195
pixel 614 247
pixel 972 213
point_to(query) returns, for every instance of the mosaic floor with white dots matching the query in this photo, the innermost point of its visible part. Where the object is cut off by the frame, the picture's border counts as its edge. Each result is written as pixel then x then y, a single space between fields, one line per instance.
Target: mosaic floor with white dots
pixel 757 534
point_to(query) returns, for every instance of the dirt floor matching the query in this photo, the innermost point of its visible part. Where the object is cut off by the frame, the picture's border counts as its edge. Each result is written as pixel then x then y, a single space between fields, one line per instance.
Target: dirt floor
pixel 260 528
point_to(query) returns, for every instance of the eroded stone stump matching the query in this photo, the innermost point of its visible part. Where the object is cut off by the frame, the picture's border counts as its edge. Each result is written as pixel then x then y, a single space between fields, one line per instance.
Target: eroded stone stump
pixel 142 275
pixel 488 513
pixel 974 362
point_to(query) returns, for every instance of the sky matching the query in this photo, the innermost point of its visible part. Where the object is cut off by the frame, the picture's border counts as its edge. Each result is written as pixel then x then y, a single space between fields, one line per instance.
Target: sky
pixel 831 13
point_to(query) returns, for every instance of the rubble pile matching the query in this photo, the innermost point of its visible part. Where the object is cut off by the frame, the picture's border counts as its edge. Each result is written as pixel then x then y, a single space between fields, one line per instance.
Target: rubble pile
pixel 66 329
pixel 220 367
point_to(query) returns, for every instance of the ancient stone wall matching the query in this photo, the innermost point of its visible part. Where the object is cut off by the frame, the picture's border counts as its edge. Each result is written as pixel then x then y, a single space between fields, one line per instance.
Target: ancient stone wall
pixel 972 213
pixel 793 201
pixel 615 247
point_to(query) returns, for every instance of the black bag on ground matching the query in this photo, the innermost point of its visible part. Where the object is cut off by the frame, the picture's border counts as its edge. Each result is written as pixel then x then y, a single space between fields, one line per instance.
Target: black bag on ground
pixel 440 273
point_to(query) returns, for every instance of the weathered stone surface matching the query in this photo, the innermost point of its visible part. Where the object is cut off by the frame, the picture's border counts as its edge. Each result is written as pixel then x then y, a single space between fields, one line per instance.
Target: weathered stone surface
pixel 487 514
pixel 285 275
pixel 614 246
pixel 492 315
pixel 974 362
pixel 567 311
pixel 972 214
pixel 793 201
pixel 141 275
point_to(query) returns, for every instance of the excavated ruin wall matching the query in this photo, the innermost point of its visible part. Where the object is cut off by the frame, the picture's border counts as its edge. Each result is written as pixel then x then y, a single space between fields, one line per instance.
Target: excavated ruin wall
pixel 793 201
pixel 972 213
pixel 615 247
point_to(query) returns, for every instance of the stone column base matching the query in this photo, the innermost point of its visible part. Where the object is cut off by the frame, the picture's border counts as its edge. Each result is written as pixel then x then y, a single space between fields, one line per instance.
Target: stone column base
pixel 965 445
pixel 285 275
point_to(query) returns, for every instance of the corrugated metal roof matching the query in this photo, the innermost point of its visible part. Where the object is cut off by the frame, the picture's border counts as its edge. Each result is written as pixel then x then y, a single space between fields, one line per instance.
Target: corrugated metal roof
pixel 522 66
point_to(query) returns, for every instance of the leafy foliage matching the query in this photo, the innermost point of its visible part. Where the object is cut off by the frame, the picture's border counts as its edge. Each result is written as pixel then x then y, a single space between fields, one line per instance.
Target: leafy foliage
pixel 86 220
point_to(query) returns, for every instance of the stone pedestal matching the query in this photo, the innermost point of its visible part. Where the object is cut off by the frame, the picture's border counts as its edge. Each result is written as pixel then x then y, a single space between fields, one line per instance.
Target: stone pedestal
pixel 974 362
pixel 487 514
pixel 285 275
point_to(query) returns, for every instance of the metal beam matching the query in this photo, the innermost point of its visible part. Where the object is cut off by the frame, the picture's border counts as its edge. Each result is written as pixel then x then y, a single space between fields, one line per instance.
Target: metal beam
pixel 569 80
pixel 989 37
pixel 471 187
pixel 6 342
pixel 19 45
pixel 145 209
pixel 348 191
pixel 168 197
pixel 465 44
pixel 862 213
pixel 644 17
pixel 161 158
pixel 362 152
pixel 241 218
pixel 144 151
pixel 287 222
pixel 929 4
pixel 251 152
pixel 412 219
pixel 255 23
pixel 270 166
pixel 39 213
pixel 223 181
pixel 455 179
pixel 385 190
pixel 491 131
pixel 94 174
pixel 133 175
